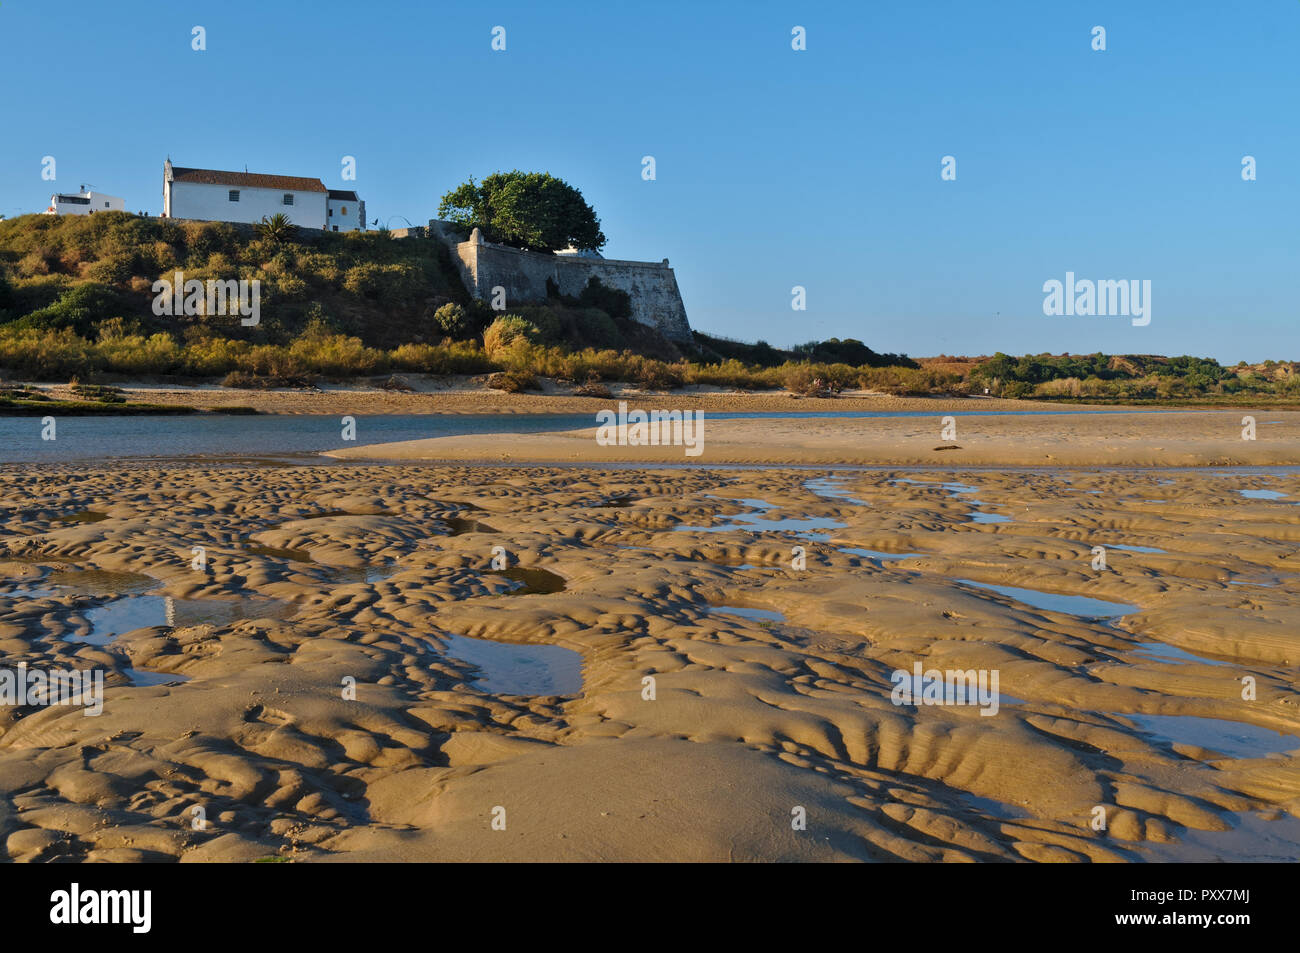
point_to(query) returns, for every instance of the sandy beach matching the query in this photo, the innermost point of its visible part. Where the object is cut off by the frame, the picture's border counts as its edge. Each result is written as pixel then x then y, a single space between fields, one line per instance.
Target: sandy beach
pixel 676 664
pixel 1166 438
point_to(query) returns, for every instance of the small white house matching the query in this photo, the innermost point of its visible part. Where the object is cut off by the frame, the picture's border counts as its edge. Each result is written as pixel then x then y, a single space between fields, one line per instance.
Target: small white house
pixel 209 195
pixel 345 212
pixel 84 203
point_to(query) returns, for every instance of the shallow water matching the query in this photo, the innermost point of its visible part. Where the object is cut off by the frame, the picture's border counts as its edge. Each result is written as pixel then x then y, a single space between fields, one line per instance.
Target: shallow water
pixel 756 615
pixel 1132 549
pixel 1231 738
pixel 1072 605
pixel 759 523
pixel 530 582
pixel 830 488
pixel 510 668
pixel 956 691
pixel 142 678
pixel 1253 839
pixel 277 436
pixel 128 613
pixel 876 554
pixel 998 809
pixel 1171 653
pixel 1262 494
pixel 240 436
pixel 82 516
pixel 460 525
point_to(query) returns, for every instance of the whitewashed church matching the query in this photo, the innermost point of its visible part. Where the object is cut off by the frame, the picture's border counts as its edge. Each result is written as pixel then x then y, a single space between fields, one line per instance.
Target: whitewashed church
pixel 210 195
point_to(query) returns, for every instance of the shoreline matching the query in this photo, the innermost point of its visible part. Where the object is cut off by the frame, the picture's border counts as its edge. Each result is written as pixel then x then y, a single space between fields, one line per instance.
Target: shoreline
pixel 461 395
pixel 1106 440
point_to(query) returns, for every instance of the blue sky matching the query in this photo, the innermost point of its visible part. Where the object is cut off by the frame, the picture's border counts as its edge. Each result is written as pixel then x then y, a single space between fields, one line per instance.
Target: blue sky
pixel 775 168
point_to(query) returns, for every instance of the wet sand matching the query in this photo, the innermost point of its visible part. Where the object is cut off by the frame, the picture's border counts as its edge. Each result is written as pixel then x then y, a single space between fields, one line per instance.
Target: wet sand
pixel 375 576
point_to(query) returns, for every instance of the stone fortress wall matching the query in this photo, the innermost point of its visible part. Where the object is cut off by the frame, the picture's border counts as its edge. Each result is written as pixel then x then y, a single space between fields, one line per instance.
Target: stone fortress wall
pixel 652 286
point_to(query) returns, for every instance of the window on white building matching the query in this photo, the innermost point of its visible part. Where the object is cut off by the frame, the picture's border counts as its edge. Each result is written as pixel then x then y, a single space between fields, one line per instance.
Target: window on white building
pixel 288 198
pixel 345 210
pixel 234 195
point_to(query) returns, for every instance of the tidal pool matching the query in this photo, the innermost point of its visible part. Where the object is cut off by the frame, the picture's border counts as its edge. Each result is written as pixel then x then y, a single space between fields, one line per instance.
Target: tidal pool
pixel 1072 605
pixel 877 555
pixel 1171 653
pixel 509 668
pixel 759 523
pixel 143 678
pixel 756 615
pixel 830 488
pixel 1231 738
pixel 128 613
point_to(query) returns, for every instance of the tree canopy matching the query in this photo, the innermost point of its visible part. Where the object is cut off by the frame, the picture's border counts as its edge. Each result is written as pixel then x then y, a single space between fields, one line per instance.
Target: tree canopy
pixel 525 209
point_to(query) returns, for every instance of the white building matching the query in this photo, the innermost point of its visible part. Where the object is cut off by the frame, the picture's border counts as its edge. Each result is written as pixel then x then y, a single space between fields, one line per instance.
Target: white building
pixel 84 203
pixel 208 195
pixel 345 212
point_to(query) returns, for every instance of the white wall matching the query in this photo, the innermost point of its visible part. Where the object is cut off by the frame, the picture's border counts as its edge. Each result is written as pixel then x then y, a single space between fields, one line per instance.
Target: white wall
pixel 349 221
pixel 99 202
pixel 211 203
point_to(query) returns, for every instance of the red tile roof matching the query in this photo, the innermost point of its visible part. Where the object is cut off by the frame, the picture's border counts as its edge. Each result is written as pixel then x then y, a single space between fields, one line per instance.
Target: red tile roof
pixel 247 180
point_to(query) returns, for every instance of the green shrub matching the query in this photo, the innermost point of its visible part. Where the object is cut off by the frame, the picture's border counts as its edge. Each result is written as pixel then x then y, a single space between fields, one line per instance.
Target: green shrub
pixel 46 355
pixel 504 332
pixel 114 270
pixel 79 308
pixel 452 320
pixel 459 357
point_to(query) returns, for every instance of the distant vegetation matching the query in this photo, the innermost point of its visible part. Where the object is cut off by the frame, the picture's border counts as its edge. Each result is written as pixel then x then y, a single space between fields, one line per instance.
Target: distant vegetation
pixel 1133 378
pixel 76 296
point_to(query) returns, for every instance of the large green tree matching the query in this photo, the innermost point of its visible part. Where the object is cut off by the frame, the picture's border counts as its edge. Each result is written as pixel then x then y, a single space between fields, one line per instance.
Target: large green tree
pixel 525 209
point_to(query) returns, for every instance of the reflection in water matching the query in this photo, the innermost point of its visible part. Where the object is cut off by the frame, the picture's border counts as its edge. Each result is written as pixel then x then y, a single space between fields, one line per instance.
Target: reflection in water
pixel 759 523
pixel 1231 738
pixel 128 613
pixel 1071 605
pixel 509 668
pixel 1262 494
pixel 757 615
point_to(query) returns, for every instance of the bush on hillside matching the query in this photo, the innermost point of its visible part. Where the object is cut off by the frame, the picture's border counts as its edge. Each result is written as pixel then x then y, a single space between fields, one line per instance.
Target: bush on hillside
pixel 452 320
pixel 505 331
pixel 78 309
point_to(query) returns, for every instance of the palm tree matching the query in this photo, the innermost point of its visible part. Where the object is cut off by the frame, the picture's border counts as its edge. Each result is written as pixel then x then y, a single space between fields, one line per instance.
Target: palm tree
pixel 276 228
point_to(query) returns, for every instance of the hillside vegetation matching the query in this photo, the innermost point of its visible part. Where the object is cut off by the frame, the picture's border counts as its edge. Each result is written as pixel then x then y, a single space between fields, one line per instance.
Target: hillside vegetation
pixel 76 302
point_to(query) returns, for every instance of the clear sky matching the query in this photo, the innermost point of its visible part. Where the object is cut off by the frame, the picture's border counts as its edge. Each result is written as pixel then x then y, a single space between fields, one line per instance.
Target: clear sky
pixel 775 168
